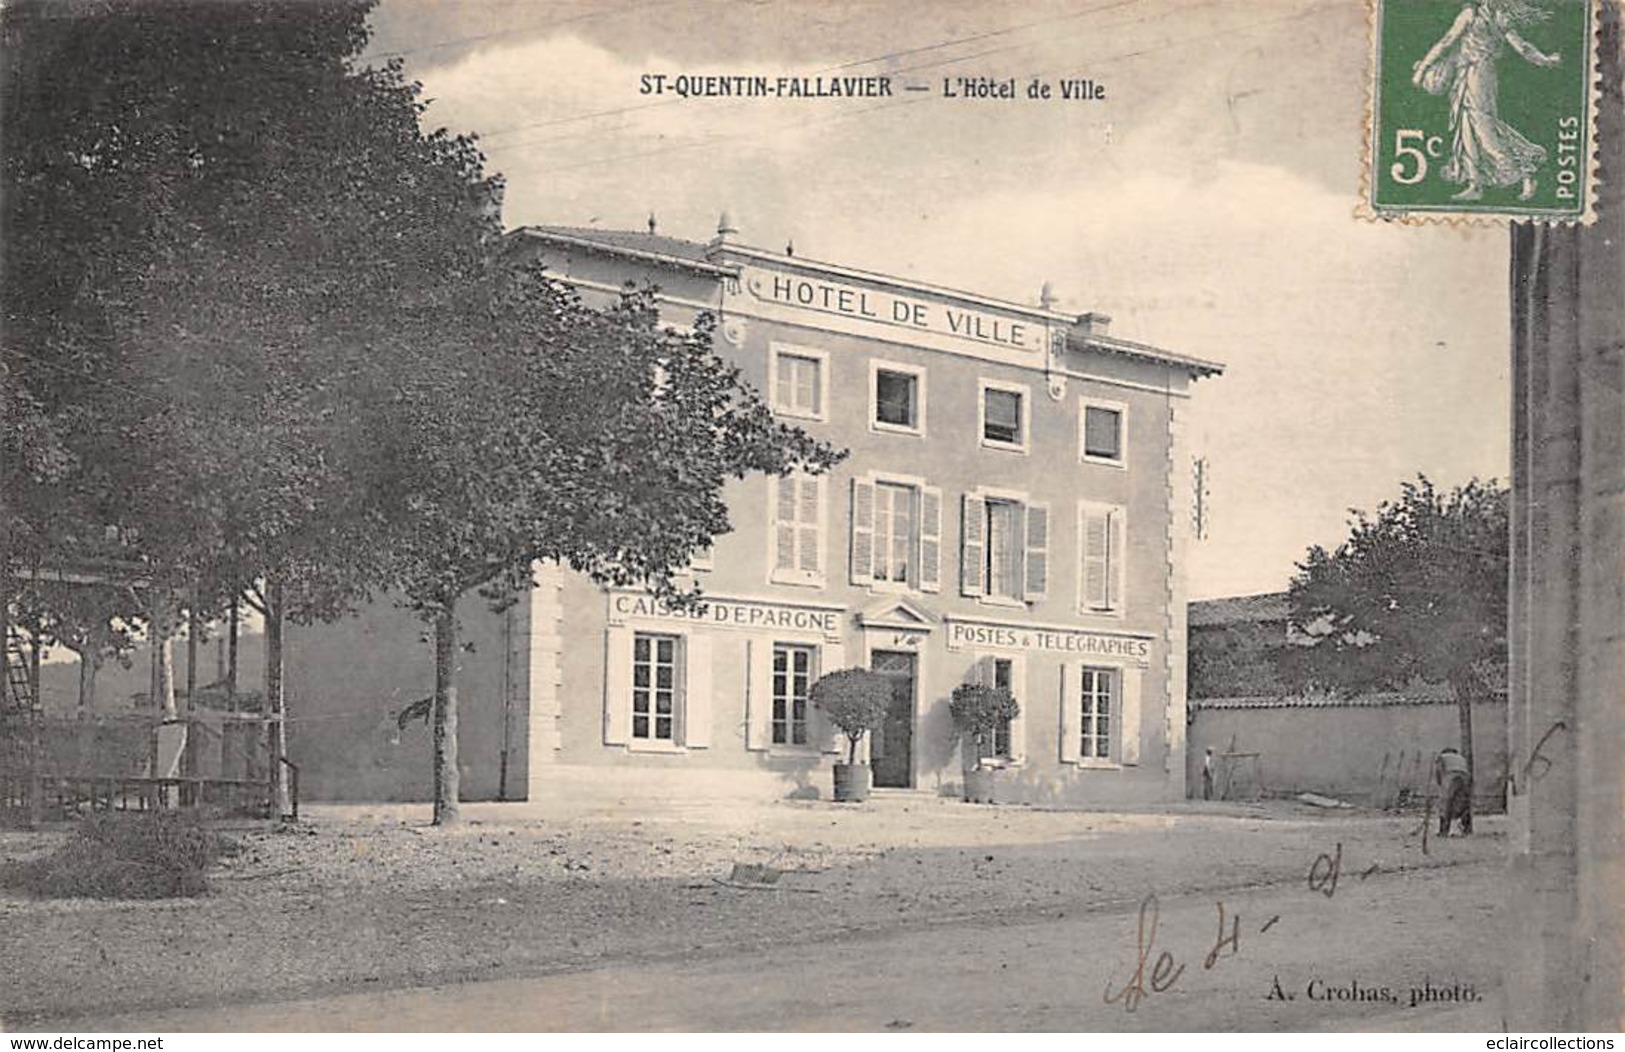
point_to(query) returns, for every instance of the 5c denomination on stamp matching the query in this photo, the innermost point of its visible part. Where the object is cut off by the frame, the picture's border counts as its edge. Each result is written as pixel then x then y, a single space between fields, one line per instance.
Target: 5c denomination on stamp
pixel 1481 109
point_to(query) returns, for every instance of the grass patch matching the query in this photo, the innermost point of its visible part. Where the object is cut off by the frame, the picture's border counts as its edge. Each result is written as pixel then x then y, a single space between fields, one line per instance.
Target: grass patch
pixel 146 855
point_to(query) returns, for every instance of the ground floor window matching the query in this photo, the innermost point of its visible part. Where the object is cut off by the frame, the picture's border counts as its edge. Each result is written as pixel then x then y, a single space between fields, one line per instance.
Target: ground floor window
pixel 1003 676
pixel 793 673
pixel 654 686
pixel 1099 685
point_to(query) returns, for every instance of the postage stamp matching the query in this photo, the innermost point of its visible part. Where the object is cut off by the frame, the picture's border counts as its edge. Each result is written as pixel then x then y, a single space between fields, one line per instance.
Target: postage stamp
pixel 1481 109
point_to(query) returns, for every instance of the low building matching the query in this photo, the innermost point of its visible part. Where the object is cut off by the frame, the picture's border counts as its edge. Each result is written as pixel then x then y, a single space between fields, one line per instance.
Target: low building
pixel 1013 509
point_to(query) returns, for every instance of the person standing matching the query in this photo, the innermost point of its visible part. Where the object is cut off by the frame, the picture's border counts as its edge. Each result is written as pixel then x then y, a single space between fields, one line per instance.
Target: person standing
pixel 1207 774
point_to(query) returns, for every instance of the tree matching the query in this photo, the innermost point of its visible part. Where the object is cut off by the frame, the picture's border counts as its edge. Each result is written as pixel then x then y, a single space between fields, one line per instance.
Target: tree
pixel 211 215
pixel 540 430
pixel 856 700
pixel 1418 592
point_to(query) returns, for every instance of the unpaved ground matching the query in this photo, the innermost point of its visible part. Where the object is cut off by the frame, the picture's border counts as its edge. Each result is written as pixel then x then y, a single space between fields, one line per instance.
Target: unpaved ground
pixel 359 898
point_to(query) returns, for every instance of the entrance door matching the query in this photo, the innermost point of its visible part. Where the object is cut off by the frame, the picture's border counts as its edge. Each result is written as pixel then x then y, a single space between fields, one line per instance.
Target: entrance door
pixel 891 749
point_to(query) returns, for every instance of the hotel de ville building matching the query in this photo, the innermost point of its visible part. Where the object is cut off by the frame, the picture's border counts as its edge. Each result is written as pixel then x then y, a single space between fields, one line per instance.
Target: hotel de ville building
pixel 1014 510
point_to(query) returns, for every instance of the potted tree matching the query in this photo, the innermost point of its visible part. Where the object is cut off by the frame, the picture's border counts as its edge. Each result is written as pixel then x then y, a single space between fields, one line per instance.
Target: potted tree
pixel 855 700
pixel 978 710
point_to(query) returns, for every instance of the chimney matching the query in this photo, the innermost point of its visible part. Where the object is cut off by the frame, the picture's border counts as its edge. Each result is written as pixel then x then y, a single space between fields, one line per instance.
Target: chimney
pixel 1093 323
pixel 727 234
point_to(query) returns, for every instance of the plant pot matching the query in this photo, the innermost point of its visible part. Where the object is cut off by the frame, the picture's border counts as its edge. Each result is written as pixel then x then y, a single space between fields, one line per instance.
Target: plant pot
pixel 851 783
pixel 979 785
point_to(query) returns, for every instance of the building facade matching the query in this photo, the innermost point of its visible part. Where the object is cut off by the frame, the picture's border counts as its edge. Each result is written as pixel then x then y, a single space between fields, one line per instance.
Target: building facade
pixel 1013 510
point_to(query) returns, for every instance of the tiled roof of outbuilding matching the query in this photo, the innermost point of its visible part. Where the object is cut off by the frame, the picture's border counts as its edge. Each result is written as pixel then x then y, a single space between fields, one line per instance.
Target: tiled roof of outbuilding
pixel 1238 609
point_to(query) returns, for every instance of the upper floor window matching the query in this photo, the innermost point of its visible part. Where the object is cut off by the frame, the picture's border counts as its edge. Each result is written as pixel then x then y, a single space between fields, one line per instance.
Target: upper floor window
pixel 1103 560
pixel 798 529
pixel 799 382
pixel 896 533
pixel 1102 435
pixel 1004 549
pixel 897 397
pixel 1003 415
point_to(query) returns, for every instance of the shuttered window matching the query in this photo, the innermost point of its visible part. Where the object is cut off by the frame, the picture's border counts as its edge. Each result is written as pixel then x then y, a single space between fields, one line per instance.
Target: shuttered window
pixel 798 382
pixel 792 678
pixel 656 687
pixel 896 533
pixel 798 526
pixel 1004 548
pixel 1098 711
pixel 1103 559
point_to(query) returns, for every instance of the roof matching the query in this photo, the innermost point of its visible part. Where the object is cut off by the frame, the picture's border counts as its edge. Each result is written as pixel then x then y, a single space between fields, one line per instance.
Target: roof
pixel 696 255
pixel 656 248
pixel 1238 609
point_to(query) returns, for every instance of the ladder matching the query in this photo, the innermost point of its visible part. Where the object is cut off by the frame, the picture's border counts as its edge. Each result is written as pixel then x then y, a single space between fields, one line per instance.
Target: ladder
pixel 19 685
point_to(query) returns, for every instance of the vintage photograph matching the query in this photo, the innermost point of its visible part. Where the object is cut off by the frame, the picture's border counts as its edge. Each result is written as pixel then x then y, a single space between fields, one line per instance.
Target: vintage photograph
pixel 783 516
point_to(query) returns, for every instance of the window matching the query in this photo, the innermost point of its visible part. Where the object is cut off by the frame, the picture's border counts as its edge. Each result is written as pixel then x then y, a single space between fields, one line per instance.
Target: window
pixel 1102 438
pixel 897 397
pixel 798 382
pixel 896 533
pixel 1098 687
pixel 1003 670
pixel 655 688
pixel 1004 551
pixel 1103 559
pixel 793 673
pixel 798 526
pixel 1004 415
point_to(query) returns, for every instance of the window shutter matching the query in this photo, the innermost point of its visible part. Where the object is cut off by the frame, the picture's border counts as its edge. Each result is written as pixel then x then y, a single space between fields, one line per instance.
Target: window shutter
pixel 1037 551
pixel 1094 531
pixel 784 524
pixel 1116 558
pixel 809 519
pixel 863 531
pixel 1071 715
pixel 617 686
pixel 697 691
pixel 1129 751
pixel 973 546
pixel 930 539
pixel 758 693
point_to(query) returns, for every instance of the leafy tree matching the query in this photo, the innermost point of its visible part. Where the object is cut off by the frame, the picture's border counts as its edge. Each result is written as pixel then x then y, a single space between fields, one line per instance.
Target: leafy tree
pixel 548 431
pixel 978 710
pixel 211 215
pixel 1418 592
pixel 856 700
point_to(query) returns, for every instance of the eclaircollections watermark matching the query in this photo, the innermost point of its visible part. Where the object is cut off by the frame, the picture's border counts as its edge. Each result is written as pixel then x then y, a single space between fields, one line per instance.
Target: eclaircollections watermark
pixel 1481 109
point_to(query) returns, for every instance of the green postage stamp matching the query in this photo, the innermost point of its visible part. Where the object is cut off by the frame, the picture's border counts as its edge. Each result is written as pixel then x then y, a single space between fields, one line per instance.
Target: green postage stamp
pixel 1481 109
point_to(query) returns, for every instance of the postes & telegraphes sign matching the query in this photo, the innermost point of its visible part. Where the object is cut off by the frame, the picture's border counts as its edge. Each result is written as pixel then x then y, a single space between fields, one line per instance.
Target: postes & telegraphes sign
pixel 989 635
pixel 1481 110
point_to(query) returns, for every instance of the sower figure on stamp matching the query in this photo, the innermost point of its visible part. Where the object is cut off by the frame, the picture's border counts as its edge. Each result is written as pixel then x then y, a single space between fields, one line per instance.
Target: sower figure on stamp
pixel 1454 777
pixel 1484 149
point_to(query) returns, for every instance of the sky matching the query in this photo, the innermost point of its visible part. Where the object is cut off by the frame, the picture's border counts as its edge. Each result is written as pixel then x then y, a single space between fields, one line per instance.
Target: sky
pixel 1206 204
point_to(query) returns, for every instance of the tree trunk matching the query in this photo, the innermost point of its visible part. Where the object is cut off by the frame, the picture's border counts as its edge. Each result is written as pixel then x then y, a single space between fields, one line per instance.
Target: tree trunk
pixel 231 653
pixel 1466 688
pixel 275 703
pixel 162 630
pixel 445 718
pixel 90 663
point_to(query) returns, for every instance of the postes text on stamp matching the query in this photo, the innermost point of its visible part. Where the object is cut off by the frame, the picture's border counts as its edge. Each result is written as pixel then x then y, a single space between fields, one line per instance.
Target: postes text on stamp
pixel 1481 109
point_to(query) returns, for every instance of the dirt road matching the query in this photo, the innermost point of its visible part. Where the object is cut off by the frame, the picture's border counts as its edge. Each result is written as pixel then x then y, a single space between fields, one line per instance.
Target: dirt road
pixel 1399 951
pixel 924 912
